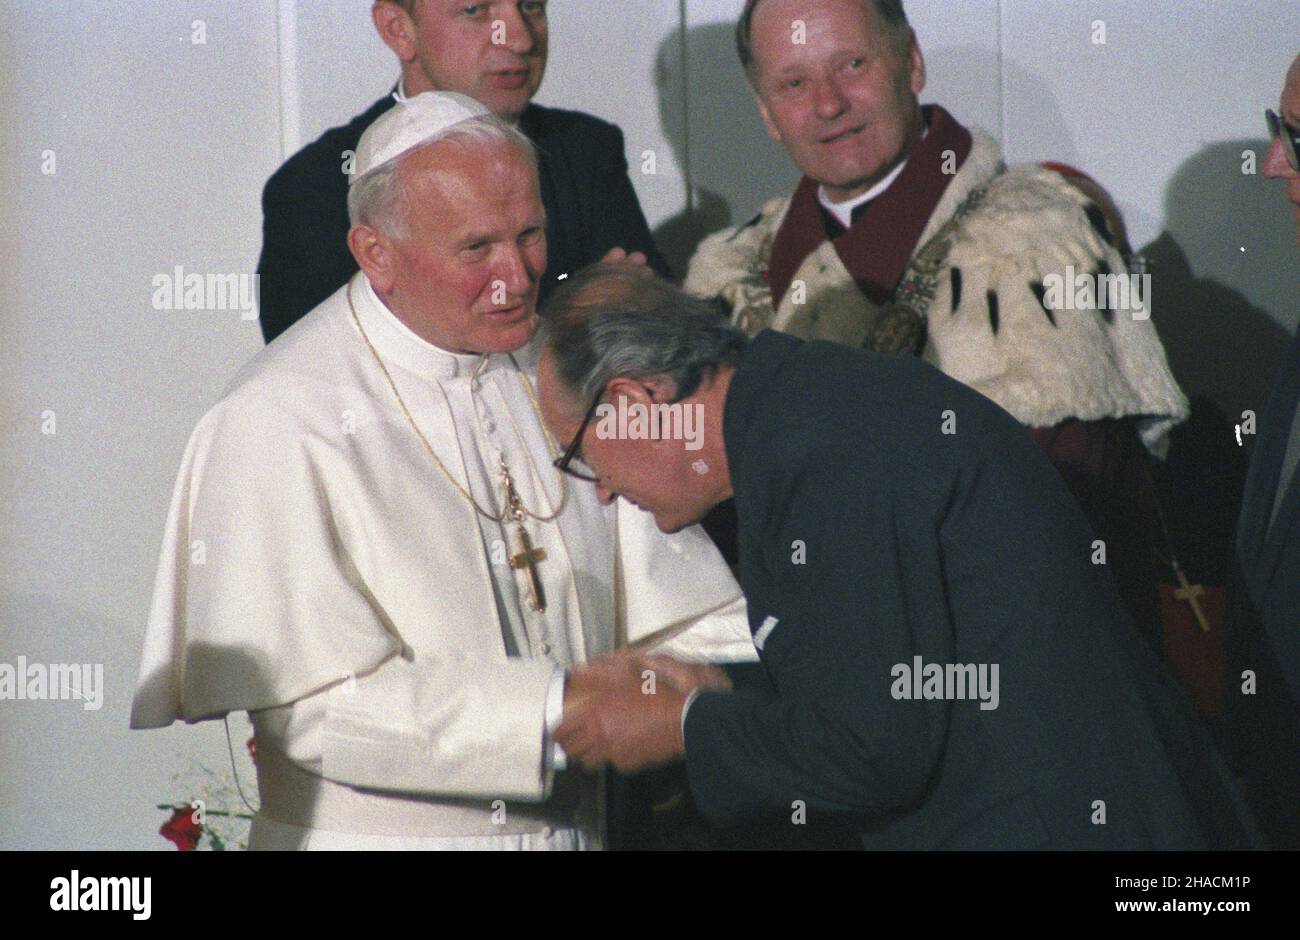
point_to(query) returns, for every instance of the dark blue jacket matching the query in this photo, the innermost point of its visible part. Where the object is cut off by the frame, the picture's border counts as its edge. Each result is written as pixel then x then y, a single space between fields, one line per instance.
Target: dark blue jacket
pixel 1263 627
pixel 870 537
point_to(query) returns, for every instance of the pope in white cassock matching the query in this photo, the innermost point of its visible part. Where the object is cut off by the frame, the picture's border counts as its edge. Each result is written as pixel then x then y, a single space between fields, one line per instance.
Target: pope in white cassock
pixel 370 551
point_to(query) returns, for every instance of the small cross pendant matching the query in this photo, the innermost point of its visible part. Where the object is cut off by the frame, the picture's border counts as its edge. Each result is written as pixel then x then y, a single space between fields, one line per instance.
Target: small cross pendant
pixel 1190 592
pixel 527 557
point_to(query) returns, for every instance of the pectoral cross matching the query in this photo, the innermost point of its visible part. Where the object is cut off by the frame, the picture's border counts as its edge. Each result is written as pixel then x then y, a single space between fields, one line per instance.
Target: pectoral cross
pixel 525 557
pixel 1190 592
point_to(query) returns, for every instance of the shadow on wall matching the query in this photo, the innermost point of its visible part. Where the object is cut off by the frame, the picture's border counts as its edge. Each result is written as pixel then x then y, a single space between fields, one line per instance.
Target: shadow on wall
pixel 734 165
pixel 208 663
pixel 1221 344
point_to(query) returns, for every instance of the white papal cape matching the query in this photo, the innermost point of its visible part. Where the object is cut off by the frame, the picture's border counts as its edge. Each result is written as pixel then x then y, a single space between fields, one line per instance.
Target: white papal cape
pixel 321 573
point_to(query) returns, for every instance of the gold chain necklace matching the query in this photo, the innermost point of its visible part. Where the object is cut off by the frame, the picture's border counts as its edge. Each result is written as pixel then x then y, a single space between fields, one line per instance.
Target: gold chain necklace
pixel 513 507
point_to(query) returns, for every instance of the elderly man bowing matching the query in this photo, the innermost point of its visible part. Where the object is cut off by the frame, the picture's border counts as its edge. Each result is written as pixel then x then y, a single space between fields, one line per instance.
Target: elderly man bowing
pixel 370 551
pixel 941 676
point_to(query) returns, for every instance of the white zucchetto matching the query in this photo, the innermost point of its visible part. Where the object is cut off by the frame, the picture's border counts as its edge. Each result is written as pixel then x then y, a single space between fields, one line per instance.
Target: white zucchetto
pixel 410 123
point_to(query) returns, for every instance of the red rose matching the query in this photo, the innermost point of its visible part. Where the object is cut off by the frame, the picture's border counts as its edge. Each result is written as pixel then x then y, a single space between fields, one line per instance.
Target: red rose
pixel 252 750
pixel 182 829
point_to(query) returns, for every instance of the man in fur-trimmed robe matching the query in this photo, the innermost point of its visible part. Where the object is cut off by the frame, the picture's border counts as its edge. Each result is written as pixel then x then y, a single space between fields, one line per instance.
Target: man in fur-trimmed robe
pixel 908 233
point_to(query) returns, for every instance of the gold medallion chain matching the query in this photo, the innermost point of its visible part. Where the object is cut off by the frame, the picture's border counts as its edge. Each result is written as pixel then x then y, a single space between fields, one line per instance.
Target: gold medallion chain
pixel 514 504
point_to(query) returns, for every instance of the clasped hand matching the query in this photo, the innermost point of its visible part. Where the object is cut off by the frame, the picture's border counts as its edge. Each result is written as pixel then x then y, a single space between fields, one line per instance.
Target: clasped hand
pixel 625 709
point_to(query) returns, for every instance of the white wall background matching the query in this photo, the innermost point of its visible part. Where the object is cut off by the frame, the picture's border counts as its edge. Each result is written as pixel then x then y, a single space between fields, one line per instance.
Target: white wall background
pixel 162 146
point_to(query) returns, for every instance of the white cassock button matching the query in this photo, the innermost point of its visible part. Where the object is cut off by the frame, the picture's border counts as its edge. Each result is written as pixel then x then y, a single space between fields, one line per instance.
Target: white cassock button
pixel 545 648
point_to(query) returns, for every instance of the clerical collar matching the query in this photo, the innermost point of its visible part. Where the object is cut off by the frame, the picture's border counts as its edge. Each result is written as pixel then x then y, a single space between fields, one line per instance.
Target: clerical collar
pixel 399 344
pixel 843 211
pixel 876 250
pixel 400 96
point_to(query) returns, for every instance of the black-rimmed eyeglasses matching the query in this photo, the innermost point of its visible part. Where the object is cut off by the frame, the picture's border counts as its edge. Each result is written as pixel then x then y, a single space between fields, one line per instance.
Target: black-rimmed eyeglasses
pixel 1279 129
pixel 566 460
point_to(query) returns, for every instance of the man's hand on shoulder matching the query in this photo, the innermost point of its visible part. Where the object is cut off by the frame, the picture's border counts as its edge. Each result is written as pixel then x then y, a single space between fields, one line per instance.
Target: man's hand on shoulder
pixel 636 259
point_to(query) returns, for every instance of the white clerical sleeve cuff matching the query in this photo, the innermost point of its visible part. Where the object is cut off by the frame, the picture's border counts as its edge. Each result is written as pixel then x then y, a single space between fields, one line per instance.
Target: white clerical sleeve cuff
pixel 686 707
pixel 554 715
pixel 456 726
pixel 720 636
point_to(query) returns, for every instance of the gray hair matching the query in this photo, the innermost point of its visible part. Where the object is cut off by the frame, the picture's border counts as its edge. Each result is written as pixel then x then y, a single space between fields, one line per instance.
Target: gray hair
pixel 378 196
pixel 890 12
pixel 610 320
